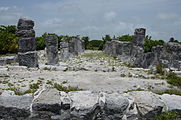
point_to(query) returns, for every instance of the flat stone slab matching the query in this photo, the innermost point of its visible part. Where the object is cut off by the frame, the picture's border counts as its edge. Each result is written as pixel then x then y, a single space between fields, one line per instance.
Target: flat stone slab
pixel 173 102
pixel 15 106
pixel 48 100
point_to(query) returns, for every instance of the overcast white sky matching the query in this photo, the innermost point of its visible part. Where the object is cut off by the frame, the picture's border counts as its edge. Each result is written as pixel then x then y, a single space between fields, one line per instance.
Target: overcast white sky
pixel 95 18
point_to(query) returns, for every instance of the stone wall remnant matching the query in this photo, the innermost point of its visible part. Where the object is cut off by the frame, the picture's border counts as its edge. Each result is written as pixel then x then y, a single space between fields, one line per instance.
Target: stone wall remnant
pixel 133 52
pixel 52 50
pixel 52 104
pixel 27 55
pixel 71 48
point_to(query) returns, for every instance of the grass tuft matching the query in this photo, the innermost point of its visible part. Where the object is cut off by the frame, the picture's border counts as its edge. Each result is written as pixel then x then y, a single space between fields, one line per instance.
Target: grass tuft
pixel 168 116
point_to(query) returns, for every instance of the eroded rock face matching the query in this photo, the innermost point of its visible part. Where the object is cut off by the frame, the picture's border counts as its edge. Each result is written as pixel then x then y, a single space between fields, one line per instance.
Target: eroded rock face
pixel 132 52
pixel 52 50
pixel 27 54
pixel 71 48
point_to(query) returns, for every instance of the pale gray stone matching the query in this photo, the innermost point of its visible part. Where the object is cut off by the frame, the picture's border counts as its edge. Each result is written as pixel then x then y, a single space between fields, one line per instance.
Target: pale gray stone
pixel 15 107
pixel 148 104
pixel 52 50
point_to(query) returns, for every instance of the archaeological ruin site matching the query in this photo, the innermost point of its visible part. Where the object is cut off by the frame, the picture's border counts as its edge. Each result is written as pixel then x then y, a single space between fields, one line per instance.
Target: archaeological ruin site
pixel 65 81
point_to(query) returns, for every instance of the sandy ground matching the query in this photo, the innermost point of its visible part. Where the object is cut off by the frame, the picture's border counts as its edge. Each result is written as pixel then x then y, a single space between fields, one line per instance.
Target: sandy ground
pixel 87 71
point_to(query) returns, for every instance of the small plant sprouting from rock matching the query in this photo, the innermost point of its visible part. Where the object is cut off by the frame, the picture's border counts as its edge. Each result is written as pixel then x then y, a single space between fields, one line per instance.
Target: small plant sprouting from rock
pixel 160 69
pixel 131 90
pixel 123 75
pixel 4 75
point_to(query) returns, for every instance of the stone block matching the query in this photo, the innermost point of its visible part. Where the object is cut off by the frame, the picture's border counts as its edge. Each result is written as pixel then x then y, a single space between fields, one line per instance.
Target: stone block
pixel 25 33
pixel 29 59
pixel 26 44
pixel 25 24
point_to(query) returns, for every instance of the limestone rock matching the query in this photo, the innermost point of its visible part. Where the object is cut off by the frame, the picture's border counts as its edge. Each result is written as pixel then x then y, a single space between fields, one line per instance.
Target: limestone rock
pixel 84 105
pixel 49 100
pixel 27 55
pixel 173 102
pixel 71 48
pixel 25 24
pixel 28 59
pixel 47 104
pixel 26 44
pixel 114 106
pixel 15 107
pixel 25 33
pixel 139 36
pixel 148 103
pixel 8 60
pixel 52 50
pixel 133 52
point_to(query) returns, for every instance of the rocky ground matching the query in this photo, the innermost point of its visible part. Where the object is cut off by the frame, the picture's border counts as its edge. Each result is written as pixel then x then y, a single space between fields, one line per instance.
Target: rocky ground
pixel 93 70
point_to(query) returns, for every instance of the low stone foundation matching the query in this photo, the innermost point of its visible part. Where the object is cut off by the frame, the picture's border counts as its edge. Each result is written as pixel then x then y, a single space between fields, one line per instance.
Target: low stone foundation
pixel 86 105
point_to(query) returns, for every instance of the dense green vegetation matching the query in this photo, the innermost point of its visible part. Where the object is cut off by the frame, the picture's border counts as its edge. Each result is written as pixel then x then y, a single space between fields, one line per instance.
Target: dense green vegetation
pixel 94 44
pixel 8 39
pixel 171 77
pixel 126 38
pixel 149 43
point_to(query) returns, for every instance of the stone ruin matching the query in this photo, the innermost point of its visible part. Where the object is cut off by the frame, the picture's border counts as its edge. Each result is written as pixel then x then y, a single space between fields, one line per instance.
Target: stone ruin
pixel 27 55
pixel 71 48
pixel 133 52
pixel 52 104
pixel 52 50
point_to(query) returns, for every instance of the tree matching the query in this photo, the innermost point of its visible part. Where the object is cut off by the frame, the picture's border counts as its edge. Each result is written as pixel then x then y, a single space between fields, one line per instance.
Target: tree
pixel 106 38
pixel 86 41
pixel 8 39
pixel 173 40
pixel 149 43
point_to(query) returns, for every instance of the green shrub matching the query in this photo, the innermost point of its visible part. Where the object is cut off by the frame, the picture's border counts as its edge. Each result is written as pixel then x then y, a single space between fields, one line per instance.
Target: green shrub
pixel 173 79
pixel 95 44
pixel 86 41
pixel 34 86
pixel 60 87
pixel 8 39
pixel 131 90
pixel 160 69
pixel 123 75
pixel 40 43
pixel 175 92
pixel 168 116
pixel 126 38
pixel 149 43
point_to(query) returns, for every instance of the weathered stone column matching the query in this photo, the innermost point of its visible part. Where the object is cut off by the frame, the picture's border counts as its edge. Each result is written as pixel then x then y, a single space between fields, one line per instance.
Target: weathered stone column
pixel 139 36
pixel 52 50
pixel 27 55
